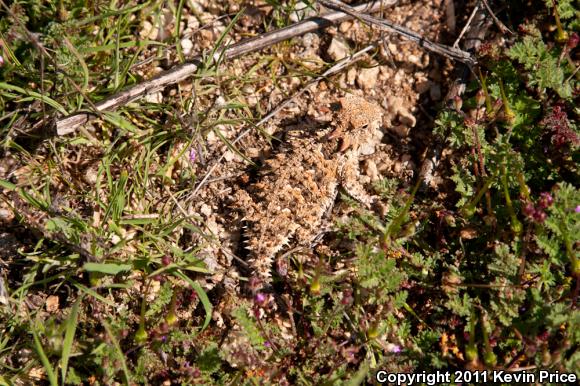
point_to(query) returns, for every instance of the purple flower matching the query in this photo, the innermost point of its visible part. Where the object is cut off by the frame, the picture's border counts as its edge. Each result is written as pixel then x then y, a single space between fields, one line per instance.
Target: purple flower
pixel 529 209
pixel 546 200
pixel 540 216
pixel 267 344
pixel 192 155
pixel 557 123
pixel 394 348
pixel 260 298
pixel 577 209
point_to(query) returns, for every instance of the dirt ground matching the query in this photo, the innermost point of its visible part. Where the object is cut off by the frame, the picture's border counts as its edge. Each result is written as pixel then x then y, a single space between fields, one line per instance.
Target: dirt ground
pixel 408 82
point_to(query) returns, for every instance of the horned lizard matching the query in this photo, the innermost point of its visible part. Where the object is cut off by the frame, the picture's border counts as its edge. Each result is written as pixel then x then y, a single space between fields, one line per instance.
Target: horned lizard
pixel 299 184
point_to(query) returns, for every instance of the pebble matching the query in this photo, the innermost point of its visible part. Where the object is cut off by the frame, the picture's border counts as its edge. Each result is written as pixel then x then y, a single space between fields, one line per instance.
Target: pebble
pixel 148 31
pixel 192 22
pixel 206 39
pixel 229 156
pixel 186 46
pixel 155 97
pixel 90 175
pixel 337 49
pixel 310 40
pixel 6 215
pixel 345 26
pixel 367 77
pixel 301 12
pixel 351 76
pixel 205 210
pixel 196 6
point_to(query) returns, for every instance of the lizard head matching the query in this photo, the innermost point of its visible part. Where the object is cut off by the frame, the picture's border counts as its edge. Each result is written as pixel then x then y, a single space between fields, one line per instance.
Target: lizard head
pixel 357 122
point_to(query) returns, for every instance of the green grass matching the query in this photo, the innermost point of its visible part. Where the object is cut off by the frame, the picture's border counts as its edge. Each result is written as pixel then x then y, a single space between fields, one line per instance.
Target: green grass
pixel 483 274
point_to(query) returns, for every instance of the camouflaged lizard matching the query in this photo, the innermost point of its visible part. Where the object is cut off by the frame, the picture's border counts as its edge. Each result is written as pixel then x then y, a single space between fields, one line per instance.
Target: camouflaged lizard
pixel 300 183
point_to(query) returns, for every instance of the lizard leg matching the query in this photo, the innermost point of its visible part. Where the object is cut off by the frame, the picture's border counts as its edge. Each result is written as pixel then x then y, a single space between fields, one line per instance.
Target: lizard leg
pixel 349 180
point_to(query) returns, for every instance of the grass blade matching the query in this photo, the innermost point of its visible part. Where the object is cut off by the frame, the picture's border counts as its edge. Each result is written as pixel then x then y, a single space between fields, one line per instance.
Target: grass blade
pixel 93 293
pixel 49 101
pixel 109 269
pixel 119 352
pixel 7 185
pixel 71 326
pixel 202 297
pixel 44 359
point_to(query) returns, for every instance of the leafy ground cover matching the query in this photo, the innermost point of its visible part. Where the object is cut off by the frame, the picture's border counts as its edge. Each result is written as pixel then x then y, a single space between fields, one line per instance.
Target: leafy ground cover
pixel 115 268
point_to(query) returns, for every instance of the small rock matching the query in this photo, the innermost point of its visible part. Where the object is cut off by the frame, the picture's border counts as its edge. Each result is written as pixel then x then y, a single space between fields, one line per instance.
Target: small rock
pixel 52 303
pixel 205 210
pixel 192 22
pixel 91 175
pixel 301 12
pixel 345 26
pixel 385 53
pixel 206 38
pixel 337 49
pixel 186 46
pixel 212 226
pixel 6 215
pixel 468 233
pixel 369 147
pixel 229 156
pixel 155 97
pixel 414 59
pixel 211 137
pixel 253 152
pixel 154 287
pixel 220 102
pixel 148 31
pixel 115 239
pixel 351 75
pixel 252 100
pixel 310 40
pixel 367 77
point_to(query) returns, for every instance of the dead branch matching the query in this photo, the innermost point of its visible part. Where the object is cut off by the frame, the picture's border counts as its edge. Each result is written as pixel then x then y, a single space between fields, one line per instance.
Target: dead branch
pixel 70 123
pixel 477 27
pixel 338 66
pixel 441 49
pixel 502 27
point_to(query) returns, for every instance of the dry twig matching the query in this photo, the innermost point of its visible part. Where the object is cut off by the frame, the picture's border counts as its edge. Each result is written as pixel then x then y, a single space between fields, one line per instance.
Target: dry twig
pixel 450 52
pixel 477 27
pixel 72 122
pixel 341 64
pixel 502 27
